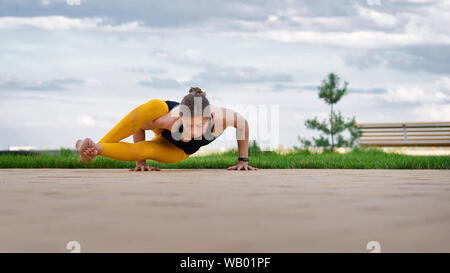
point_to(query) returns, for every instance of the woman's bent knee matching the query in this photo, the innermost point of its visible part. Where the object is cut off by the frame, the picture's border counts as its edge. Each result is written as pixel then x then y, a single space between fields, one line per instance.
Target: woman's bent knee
pixel 157 105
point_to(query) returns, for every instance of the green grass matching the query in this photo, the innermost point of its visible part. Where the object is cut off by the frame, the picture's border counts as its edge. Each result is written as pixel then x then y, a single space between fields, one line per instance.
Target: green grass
pixel 369 158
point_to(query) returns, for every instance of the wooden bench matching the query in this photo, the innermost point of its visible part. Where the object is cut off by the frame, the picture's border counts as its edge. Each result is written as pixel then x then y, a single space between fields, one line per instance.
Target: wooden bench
pixel 404 134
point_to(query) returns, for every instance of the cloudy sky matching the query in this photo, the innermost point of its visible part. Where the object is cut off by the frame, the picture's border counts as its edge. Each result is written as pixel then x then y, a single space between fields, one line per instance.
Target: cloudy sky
pixel 71 69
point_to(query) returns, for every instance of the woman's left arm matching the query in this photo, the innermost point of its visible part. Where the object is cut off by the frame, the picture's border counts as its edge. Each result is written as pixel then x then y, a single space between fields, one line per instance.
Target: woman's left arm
pixel 242 135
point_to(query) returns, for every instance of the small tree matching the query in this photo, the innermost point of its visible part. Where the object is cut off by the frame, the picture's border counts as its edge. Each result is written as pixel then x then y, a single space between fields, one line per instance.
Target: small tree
pixel 330 92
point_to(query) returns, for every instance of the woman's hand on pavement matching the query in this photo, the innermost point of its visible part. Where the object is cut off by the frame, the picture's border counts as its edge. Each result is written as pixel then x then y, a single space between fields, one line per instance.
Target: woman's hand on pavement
pixel 241 166
pixel 142 167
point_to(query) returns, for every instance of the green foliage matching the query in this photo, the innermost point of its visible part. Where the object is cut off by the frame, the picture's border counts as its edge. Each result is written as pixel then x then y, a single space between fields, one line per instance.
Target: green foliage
pixel 253 148
pixel 367 150
pixel 306 143
pixel 358 158
pixel 66 152
pixel 301 150
pixel 329 90
pixel 331 93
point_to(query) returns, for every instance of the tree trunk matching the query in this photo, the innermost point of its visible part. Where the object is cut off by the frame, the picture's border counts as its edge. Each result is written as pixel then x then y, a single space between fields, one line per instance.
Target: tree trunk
pixel 331 128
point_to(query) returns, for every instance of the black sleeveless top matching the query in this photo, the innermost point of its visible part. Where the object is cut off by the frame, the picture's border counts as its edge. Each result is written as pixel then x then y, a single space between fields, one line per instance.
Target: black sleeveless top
pixel 193 145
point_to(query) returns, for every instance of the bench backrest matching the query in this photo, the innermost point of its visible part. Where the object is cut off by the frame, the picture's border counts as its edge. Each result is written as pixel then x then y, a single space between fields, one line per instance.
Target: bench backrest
pixel 405 134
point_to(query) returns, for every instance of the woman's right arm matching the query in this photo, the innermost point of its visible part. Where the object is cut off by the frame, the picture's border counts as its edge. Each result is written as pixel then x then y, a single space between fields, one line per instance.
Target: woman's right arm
pixel 141 165
pixel 139 135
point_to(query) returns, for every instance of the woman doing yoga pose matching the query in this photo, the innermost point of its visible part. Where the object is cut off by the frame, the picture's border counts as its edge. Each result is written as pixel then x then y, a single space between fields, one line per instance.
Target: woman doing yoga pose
pixel 202 123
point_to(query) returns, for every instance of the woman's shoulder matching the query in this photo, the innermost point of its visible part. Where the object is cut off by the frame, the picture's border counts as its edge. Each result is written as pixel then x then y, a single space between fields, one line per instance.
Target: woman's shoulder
pixel 172 104
pixel 215 108
pixel 222 112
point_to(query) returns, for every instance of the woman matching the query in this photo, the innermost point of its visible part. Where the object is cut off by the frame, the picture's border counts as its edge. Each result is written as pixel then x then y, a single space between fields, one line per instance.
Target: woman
pixel 203 123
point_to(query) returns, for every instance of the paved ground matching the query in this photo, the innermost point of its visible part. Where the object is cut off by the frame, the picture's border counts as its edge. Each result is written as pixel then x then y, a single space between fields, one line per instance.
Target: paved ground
pixel 302 210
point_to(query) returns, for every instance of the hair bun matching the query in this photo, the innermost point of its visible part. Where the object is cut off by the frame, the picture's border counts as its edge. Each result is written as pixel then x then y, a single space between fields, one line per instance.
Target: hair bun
pixel 196 91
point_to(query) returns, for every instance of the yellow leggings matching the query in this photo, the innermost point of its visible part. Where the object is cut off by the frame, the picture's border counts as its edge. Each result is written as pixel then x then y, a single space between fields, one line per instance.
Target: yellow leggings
pixel 159 148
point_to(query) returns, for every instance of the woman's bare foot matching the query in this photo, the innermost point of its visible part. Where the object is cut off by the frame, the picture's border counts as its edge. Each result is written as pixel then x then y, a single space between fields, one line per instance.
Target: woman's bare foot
pixel 86 149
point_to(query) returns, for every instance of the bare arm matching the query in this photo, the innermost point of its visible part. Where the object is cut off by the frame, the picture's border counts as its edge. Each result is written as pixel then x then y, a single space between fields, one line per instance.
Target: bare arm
pixel 141 165
pixel 241 126
pixel 242 135
pixel 139 135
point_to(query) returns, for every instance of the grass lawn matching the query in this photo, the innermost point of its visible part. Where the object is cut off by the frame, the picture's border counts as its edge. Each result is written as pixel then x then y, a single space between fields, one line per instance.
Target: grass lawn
pixel 368 158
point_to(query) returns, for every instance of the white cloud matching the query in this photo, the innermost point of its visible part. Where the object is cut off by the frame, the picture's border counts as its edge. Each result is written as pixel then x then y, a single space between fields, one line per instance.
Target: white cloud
pixel 45 2
pixel 272 18
pixel 379 18
pixel 436 112
pixel 406 28
pixel 373 2
pixel 62 23
pixel 93 83
pixel 49 22
pixel 368 28
pixel 417 94
pixel 85 120
pixel 51 2
pixel 359 30
pixel 444 85
pixel 413 1
pixel 354 39
pixel 404 94
pixel 192 53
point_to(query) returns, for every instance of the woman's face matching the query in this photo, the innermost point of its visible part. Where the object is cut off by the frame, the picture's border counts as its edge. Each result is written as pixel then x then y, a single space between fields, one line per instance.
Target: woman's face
pixel 194 127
